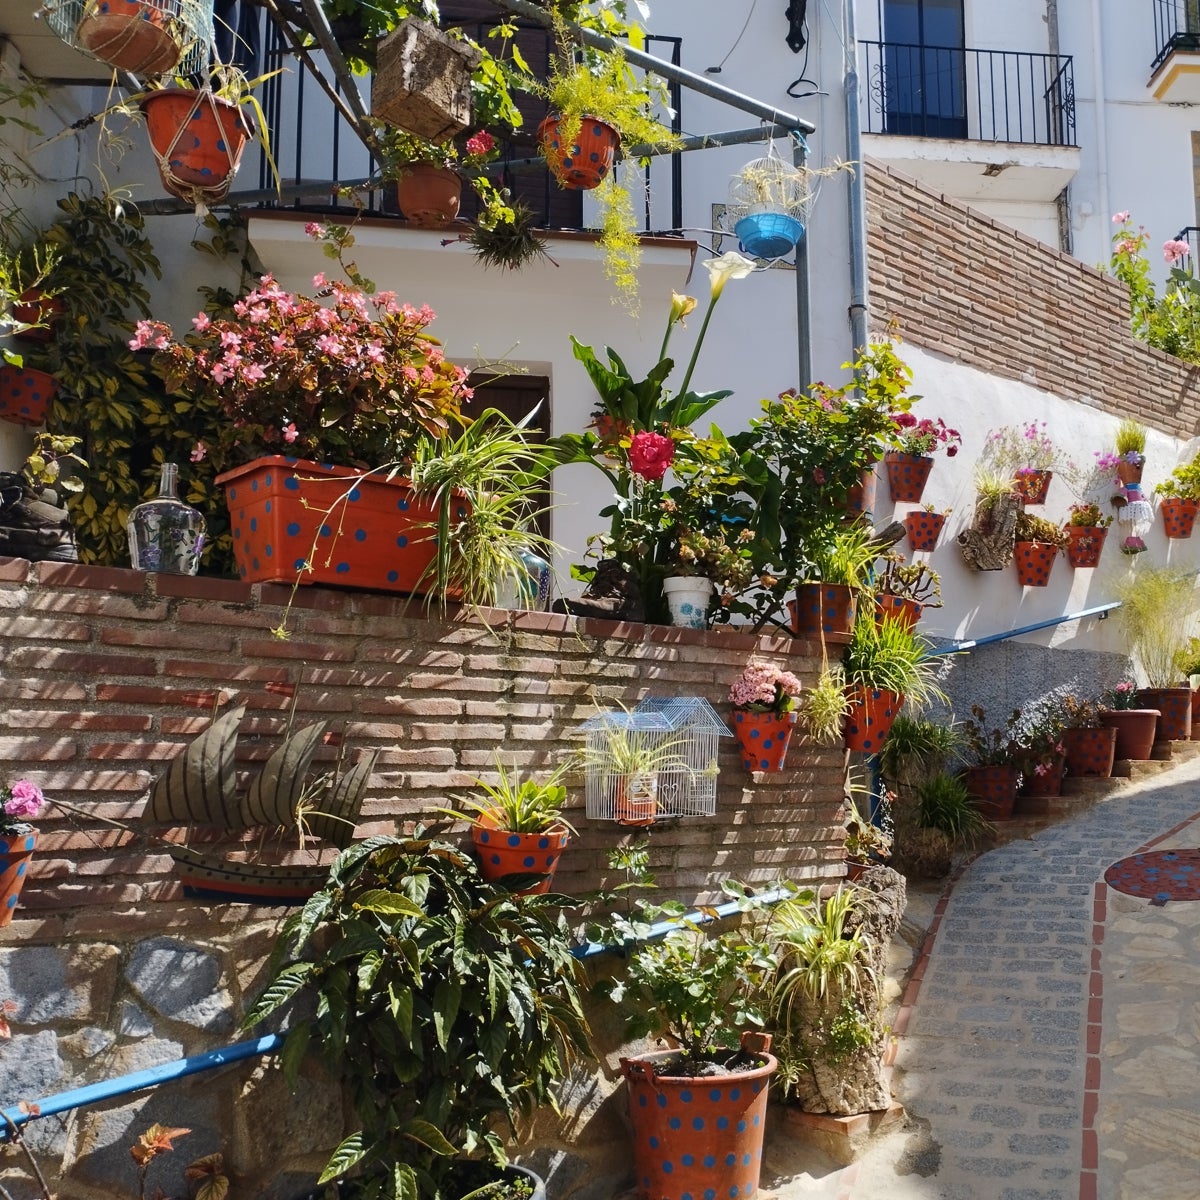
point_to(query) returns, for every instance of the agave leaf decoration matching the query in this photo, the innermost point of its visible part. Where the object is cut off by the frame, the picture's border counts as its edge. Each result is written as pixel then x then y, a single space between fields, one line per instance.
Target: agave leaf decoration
pixel 275 792
pixel 200 785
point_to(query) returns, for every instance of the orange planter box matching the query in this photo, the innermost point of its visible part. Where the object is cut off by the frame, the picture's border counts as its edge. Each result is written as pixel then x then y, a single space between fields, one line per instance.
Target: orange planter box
pixel 366 533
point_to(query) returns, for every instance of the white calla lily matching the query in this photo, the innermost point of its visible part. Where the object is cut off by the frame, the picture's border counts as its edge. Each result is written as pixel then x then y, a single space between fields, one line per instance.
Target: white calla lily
pixel 731 265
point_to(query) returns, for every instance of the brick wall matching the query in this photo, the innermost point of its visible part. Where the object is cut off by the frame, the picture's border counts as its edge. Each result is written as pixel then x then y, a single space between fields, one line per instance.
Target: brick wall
pixel 961 284
pixel 105 674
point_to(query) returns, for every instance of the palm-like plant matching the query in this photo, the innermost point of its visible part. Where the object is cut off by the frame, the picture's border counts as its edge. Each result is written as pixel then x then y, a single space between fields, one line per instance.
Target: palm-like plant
pixel 520 805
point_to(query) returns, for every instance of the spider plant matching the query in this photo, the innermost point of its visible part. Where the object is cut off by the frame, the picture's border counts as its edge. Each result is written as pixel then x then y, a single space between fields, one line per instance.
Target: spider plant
pixel 519 805
pixel 824 705
pixel 886 656
pixel 917 748
pixel 945 804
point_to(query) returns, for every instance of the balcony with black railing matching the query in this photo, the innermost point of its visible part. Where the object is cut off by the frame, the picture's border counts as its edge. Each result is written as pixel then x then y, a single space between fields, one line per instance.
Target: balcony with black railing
pixel 1173 73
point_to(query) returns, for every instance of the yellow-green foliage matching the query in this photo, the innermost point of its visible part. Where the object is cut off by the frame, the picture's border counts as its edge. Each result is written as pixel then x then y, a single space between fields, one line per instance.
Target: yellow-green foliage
pixel 622 246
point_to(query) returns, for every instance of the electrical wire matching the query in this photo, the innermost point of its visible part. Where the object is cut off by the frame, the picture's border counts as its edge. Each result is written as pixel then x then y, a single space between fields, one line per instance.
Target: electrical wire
pixel 736 41
pixel 813 87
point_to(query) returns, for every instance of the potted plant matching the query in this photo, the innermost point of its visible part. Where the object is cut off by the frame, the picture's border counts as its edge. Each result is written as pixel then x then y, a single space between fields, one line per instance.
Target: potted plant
pixel 1156 605
pixel 868 841
pixel 943 821
pixel 917 748
pixel 826 599
pixel 1134 724
pixel 768 203
pixel 444 1048
pixel 993 776
pixel 519 828
pixel 1187 660
pixel 1027 455
pixel 1180 499
pixel 1037 544
pixel 910 460
pixel 825 704
pixel 34 521
pixel 923 527
pixel 698 1111
pixel 987 545
pixel 428 185
pixel 1089 746
pixel 350 388
pixel 764 699
pixel 20 802
pixel 1086 529
pixel 885 665
pixel 198 134
pixel 904 590
pixel 1042 756
pixel 1131 451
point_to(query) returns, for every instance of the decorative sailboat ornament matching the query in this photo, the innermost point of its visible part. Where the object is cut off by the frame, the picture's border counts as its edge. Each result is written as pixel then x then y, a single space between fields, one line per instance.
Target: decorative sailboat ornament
pixel 200 789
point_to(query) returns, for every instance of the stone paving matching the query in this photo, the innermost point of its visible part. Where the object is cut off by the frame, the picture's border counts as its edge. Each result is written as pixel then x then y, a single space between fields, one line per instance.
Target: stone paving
pixel 1049 1038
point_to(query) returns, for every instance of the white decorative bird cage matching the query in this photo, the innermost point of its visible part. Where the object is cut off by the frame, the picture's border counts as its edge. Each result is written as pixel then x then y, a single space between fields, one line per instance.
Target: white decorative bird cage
pixel 768 204
pixel 660 760
pixel 144 37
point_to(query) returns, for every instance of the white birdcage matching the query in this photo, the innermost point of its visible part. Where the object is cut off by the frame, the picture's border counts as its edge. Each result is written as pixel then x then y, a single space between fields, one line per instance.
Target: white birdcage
pixel 768 205
pixel 660 760
pixel 144 37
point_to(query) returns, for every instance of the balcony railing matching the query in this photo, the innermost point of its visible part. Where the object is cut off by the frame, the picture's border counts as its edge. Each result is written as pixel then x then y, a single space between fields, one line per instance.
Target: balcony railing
pixel 1176 27
pixel 1191 235
pixel 968 95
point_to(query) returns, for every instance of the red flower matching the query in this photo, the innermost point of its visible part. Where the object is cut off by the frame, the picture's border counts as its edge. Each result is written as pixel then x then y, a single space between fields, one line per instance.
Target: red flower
pixel 650 454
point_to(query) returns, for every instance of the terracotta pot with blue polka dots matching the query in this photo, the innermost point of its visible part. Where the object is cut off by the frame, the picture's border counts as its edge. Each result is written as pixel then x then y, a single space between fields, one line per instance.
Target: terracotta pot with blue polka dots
pixel 25 395
pixel 907 475
pixel 1032 486
pixel 869 717
pixel 16 849
pixel 763 738
pixel 503 853
pixel 197 140
pixel 584 164
pixel 698 1138
pixel 132 35
pixel 376 536
pixel 1179 515
pixel 822 608
pixel 1034 562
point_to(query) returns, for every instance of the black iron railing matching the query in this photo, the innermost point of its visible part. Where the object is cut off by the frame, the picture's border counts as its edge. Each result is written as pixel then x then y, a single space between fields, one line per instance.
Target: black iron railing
pixel 968 95
pixel 1191 235
pixel 312 142
pixel 1176 27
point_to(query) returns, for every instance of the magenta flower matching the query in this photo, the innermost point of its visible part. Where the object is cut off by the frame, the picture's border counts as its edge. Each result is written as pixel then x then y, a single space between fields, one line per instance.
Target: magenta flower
pixel 24 802
pixel 199 450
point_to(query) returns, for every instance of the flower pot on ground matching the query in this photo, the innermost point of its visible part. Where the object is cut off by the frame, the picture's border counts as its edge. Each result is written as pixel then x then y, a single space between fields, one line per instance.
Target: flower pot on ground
pixel 923 528
pixel 1135 729
pixel 688 599
pixel 943 821
pixel 1045 778
pixel 25 395
pixel 411 1067
pixel 1179 515
pixel 429 196
pixel 1175 711
pixel 519 829
pixel 1157 605
pixel 764 700
pixel 907 475
pixel 995 753
pixel 994 790
pixel 1090 751
pixel 20 802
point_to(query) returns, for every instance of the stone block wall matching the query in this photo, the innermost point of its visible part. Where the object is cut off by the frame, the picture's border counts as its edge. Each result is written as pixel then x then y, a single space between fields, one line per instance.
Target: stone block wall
pixel 106 674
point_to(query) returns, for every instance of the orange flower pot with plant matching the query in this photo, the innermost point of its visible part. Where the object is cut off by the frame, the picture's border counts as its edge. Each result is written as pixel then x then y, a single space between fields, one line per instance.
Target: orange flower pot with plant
pixel 910 460
pixel 20 802
pixel 764 699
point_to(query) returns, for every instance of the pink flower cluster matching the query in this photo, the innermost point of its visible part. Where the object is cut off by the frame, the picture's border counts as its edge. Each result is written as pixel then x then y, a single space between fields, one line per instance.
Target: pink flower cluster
pixel 1175 249
pixel 24 802
pixel 924 436
pixel 650 454
pixel 763 686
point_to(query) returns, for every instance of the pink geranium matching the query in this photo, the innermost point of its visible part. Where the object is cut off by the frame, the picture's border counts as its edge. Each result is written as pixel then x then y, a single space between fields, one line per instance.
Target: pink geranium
pixel 22 802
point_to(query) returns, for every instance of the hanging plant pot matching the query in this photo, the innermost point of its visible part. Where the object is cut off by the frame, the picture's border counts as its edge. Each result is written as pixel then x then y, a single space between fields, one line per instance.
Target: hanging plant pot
pixel 1032 486
pixel 131 35
pixel 502 852
pixel 869 717
pixel 422 80
pixel 198 142
pixel 768 234
pixel 1034 562
pixel 994 790
pixel 16 849
pixel 1175 712
pixel 923 529
pixel 907 475
pixel 429 195
pixel 25 395
pixel 764 738
pixel 688 598
pixel 1086 543
pixel 860 499
pixel 1179 516
pixel 635 799
pixel 1090 751
pixel 1131 472
pixel 698 1136
pixel 1048 783
pixel 822 608
pixel 584 164
pixel 45 313
pixel 900 608
pixel 1135 730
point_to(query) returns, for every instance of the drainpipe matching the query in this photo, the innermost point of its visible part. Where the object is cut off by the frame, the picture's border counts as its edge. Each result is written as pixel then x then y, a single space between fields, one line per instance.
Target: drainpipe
pixel 858 189
pixel 803 291
pixel 1101 117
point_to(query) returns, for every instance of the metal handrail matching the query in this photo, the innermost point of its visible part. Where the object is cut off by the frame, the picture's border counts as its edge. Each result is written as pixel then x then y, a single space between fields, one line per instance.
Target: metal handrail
pixel 968 94
pixel 1101 611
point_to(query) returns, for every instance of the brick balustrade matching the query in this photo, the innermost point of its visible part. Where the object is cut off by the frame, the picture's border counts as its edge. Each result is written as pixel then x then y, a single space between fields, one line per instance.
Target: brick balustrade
pixel 108 673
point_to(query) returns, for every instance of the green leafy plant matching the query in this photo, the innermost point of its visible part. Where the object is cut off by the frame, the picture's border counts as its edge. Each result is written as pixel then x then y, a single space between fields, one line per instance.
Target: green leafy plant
pixel 867 840
pixel 1156 606
pixel 885 655
pixel 846 558
pixel 1031 528
pixel 520 805
pixel 917 747
pixel 825 705
pixel 446 1007
pixel 1130 438
pixel 1088 515
pixel 945 804
pixel 1183 483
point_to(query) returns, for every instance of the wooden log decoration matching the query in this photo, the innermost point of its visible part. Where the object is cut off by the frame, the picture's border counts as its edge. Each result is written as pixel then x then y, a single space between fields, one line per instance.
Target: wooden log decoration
pixel 988 544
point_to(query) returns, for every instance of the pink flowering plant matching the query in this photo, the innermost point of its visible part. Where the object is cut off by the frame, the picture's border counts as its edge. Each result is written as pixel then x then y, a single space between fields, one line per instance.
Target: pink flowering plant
pixel 1123 695
pixel 925 436
pixel 764 687
pixel 20 803
pixel 1020 449
pixel 342 376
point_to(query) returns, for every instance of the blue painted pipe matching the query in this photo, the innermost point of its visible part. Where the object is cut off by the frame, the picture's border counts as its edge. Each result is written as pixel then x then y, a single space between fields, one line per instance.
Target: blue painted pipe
pixel 1099 611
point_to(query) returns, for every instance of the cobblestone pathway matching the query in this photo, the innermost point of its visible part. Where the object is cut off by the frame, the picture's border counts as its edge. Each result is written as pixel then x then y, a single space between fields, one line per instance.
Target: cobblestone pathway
pixel 1053 1048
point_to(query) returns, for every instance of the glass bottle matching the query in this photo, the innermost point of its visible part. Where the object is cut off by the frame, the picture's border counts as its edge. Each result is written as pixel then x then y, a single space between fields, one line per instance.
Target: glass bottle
pixel 165 534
